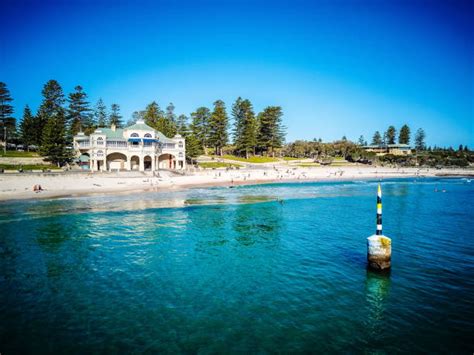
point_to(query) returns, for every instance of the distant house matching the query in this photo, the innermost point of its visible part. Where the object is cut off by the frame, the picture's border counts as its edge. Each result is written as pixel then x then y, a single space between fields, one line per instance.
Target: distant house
pixel 395 149
pixel 136 147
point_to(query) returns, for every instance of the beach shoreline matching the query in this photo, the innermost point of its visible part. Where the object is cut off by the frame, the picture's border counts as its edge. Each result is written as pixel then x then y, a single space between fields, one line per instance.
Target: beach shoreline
pixel 65 185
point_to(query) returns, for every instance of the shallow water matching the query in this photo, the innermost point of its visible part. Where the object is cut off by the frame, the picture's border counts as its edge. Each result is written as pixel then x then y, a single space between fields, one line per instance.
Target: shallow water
pixel 251 269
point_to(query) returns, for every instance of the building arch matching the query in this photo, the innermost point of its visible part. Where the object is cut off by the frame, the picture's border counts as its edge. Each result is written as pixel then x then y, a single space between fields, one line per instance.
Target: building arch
pixel 147 135
pixel 135 163
pixel 84 161
pixel 167 161
pixel 134 135
pixel 147 162
pixel 99 160
pixel 116 161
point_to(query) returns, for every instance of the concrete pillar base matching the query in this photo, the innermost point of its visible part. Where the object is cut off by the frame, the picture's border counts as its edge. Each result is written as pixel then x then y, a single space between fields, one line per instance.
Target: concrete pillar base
pixel 379 252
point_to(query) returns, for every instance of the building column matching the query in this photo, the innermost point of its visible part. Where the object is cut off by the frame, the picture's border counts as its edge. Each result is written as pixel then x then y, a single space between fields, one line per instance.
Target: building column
pixel 141 165
pixel 128 163
pixel 153 163
pixel 95 165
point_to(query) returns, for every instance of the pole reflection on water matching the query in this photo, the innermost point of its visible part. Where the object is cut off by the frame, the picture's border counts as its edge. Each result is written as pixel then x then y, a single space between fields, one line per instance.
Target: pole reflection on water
pixel 377 286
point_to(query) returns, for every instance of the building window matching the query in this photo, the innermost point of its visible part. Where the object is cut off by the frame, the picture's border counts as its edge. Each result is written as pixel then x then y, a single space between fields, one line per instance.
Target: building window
pixel 100 141
pixel 100 154
pixel 147 135
pixel 181 144
pixel 134 135
pixel 180 154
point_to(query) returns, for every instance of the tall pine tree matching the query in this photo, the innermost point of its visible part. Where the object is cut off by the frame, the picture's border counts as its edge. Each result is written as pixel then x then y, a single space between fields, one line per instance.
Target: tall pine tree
pixel 377 138
pixel 390 135
pixel 170 115
pixel 78 113
pixel 7 121
pixel 245 127
pixel 420 136
pixel 182 126
pixel 115 117
pixel 271 133
pixel 27 128
pixel 52 104
pixel 153 116
pixel 193 147
pixel 136 116
pixel 54 145
pixel 100 114
pixel 200 126
pixel 218 126
pixel 51 120
pixel 156 118
pixel 404 137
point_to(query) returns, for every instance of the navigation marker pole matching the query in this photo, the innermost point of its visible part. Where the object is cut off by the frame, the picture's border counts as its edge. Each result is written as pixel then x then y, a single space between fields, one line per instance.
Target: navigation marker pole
pixel 379 211
pixel 379 247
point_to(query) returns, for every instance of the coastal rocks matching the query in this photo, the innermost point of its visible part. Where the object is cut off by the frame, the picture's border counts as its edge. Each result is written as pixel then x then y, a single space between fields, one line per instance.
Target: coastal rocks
pixel 379 252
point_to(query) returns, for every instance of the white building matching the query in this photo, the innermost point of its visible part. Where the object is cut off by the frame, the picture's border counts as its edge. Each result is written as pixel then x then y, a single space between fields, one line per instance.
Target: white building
pixel 137 147
pixel 395 149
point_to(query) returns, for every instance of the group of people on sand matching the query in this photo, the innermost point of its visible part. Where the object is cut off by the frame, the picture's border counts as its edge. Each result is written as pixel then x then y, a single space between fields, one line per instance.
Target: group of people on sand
pixel 37 188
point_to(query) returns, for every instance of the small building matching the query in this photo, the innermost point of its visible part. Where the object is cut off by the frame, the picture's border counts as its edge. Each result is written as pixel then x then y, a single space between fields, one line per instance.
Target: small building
pixel 137 147
pixel 395 149
pixel 399 149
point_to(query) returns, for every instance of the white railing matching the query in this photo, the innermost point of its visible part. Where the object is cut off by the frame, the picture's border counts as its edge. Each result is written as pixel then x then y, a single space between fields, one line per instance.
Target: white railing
pixel 117 144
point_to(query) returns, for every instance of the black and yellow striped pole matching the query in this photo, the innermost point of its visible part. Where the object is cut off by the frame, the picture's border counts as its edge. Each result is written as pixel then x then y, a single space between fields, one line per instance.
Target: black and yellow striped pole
pixel 379 247
pixel 379 211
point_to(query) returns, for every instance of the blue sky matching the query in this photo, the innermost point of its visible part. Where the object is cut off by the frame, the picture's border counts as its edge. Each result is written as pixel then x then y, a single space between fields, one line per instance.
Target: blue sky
pixel 336 67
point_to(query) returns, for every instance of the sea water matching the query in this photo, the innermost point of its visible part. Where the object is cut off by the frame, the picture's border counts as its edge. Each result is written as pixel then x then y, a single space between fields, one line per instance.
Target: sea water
pixel 266 268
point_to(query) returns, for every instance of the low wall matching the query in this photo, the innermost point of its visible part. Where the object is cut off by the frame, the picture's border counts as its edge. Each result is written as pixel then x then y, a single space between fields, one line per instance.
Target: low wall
pixel 23 161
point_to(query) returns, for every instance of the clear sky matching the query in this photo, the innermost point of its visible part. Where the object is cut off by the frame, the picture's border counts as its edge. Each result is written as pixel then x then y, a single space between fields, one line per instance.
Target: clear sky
pixel 337 67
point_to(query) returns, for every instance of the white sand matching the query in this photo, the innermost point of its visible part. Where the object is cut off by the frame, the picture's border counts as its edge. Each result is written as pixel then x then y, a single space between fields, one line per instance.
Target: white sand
pixel 20 186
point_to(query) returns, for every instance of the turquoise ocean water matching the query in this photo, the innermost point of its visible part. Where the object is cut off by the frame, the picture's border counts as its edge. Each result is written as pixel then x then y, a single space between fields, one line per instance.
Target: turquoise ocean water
pixel 267 268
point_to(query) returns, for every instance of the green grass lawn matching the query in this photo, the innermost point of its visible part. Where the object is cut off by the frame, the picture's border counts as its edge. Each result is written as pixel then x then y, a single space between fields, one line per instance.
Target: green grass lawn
pixel 254 159
pixel 214 165
pixel 27 167
pixel 291 158
pixel 16 154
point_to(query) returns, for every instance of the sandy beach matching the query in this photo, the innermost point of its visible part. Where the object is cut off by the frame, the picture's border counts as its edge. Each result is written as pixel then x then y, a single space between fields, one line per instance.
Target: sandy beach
pixel 20 186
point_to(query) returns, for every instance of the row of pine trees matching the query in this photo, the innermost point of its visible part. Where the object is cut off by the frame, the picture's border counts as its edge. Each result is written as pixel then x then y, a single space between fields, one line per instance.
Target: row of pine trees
pixel 209 129
pixel 390 137
pixel 59 118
